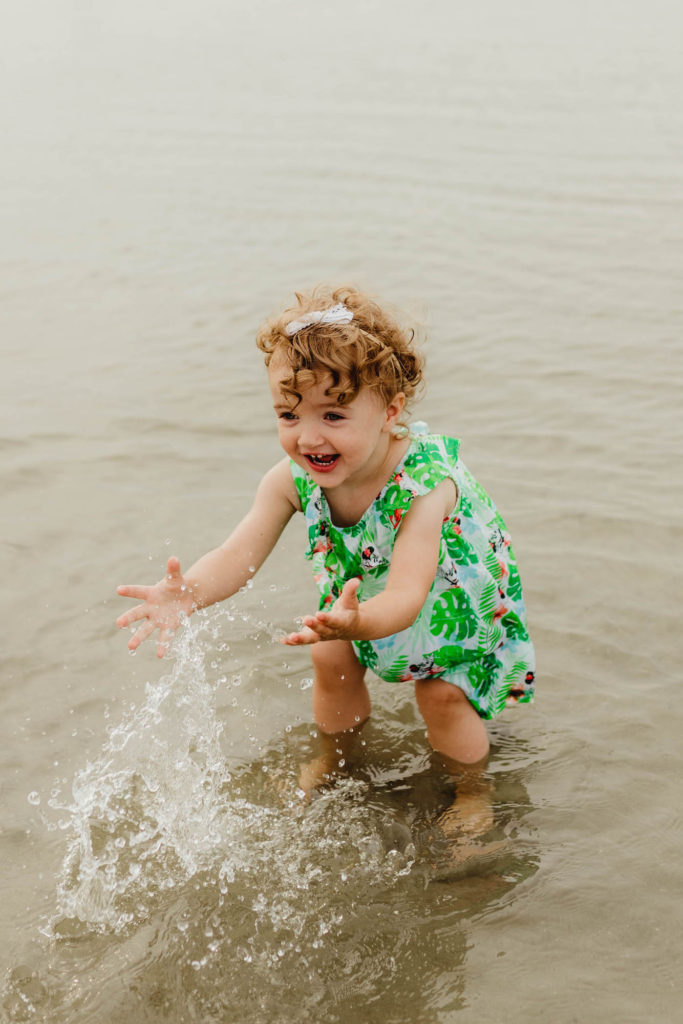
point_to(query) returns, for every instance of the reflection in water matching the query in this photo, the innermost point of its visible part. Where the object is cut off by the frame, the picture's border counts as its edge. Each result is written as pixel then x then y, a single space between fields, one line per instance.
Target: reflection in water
pixel 196 889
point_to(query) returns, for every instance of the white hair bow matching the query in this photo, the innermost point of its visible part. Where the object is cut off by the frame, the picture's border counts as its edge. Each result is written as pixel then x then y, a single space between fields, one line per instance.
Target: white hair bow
pixel 338 314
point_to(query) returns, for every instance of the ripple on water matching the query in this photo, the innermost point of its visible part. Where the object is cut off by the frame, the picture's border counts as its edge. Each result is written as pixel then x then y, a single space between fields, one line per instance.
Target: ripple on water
pixel 192 882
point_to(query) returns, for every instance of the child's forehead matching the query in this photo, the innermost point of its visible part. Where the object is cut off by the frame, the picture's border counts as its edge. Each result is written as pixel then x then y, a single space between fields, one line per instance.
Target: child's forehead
pixel 316 394
pixel 320 394
pixel 280 373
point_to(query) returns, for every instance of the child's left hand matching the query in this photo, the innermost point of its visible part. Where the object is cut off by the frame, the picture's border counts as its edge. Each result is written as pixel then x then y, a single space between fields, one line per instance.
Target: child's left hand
pixel 340 623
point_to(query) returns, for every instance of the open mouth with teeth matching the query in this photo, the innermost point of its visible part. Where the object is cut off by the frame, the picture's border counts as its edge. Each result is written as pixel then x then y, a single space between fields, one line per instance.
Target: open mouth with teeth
pixel 321 463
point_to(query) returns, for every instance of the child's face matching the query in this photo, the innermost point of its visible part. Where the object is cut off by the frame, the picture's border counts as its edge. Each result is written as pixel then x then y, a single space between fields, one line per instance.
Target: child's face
pixel 336 444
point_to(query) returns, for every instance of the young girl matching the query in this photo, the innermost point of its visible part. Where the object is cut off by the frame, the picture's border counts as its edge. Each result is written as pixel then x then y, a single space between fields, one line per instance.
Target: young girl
pixel 417 578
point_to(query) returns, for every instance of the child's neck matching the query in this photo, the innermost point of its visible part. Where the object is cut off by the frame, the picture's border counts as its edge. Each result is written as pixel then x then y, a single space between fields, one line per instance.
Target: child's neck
pixel 349 502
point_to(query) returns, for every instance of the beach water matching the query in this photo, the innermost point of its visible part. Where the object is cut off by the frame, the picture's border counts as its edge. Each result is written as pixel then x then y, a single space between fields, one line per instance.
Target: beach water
pixel 510 179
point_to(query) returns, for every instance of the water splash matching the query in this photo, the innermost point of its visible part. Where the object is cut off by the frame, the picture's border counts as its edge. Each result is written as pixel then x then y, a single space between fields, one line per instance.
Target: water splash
pixel 162 805
pixel 148 813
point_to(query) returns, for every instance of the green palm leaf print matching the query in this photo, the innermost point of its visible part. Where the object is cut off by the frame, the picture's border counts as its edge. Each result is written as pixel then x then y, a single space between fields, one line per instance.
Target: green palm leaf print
pixel 453 616
pixel 488 600
pixel 493 565
pixel 459 549
pixel 395 497
pixel 366 654
pixel 482 674
pixel 396 670
pixel 451 656
pixel 514 587
pixel 514 627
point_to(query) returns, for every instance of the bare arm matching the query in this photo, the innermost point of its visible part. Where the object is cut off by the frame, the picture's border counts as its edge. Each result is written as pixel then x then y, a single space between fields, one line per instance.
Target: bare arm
pixel 413 566
pixel 221 572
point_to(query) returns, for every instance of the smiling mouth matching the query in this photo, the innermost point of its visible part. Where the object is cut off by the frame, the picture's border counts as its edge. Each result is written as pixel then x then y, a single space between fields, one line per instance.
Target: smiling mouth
pixel 323 463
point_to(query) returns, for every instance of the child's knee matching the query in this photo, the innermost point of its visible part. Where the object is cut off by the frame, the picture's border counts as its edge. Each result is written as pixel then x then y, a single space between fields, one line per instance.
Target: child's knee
pixel 334 662
pixel 439 697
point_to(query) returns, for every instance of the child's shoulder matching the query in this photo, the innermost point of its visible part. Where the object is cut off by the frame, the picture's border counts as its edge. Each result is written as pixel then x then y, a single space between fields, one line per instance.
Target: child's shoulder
pixel 431 457
pixel 278 483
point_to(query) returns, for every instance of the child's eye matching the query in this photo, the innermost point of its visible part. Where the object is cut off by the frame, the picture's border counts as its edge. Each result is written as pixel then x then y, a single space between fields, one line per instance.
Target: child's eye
pixel 286 416
pixel 334 416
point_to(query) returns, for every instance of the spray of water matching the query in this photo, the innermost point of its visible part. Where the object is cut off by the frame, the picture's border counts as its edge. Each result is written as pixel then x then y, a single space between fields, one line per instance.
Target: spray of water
pixel 161 806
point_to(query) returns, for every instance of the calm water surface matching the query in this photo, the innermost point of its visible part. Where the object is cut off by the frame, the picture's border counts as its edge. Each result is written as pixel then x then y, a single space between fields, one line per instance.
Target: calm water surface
pixel 510 178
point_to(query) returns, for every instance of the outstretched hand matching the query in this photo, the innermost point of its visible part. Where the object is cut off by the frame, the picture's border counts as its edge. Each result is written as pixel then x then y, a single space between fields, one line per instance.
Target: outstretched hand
pixel 163 606
pixel 340 623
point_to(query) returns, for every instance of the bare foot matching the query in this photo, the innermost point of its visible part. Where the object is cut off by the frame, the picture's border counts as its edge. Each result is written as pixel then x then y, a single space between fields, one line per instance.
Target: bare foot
pixel 318 774
pixel 470 816
pixel 331 762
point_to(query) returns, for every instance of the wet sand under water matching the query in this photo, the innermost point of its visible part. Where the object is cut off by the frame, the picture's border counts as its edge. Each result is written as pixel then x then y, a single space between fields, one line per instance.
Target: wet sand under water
pixel 512 179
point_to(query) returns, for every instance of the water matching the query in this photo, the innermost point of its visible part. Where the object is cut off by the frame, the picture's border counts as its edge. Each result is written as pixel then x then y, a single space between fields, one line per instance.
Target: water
pixel 510 178
pixel 193 878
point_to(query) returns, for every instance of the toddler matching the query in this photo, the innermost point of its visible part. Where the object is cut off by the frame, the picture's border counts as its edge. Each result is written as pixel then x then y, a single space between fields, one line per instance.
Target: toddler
pixel 417 577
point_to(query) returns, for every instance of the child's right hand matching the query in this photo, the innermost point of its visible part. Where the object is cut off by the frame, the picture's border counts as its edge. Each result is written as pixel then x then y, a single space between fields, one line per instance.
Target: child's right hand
pixel 162 607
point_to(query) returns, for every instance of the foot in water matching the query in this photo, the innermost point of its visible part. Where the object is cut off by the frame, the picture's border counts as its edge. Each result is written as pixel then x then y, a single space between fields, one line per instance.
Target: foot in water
pixel 468 820
pixel 319 774
pixel 330 763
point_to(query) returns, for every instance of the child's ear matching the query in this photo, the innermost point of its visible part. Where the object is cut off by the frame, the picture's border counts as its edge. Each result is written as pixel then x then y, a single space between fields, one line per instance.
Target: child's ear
pixel 394 410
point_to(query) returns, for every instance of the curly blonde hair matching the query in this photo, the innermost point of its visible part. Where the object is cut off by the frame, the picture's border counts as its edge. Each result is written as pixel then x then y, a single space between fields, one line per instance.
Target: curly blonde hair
pixel 372 351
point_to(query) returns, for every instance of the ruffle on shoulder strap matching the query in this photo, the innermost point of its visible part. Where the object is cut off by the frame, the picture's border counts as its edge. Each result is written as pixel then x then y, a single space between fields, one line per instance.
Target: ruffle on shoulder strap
pixel 431 459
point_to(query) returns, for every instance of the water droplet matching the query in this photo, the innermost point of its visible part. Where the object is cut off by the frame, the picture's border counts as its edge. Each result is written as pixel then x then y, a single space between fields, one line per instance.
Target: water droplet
pixel 34 798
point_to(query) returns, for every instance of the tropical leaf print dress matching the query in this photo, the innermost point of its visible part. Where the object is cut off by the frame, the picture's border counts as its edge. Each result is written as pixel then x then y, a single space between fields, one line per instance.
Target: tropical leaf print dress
pixel 472 628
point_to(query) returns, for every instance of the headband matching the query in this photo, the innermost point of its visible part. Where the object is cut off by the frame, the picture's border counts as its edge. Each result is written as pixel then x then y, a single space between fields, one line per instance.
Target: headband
pixel 338 314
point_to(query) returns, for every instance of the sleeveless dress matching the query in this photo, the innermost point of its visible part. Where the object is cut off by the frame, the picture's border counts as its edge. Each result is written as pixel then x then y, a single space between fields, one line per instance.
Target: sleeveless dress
pixel 471 630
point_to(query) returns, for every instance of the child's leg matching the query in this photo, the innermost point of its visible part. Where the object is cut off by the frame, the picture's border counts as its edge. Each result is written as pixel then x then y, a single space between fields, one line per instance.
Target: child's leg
pixel 340 696
pixel 341 704
pixel 453 726
pixel 457 732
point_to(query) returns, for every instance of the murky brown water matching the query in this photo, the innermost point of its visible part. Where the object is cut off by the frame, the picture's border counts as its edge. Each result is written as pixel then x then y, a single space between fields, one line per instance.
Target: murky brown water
pixel 510 175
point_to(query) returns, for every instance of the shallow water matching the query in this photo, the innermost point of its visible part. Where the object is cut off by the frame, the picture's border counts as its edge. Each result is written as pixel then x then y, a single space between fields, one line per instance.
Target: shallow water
pixel 510 177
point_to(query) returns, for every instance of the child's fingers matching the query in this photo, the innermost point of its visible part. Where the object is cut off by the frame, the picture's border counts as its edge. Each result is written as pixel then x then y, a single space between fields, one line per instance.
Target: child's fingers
pixel 173 572
pixel 326 626
pixel 140 593
pixel 348 597
pixel 306 636
pixel 165 638
pixel 139 612
pixel 141 635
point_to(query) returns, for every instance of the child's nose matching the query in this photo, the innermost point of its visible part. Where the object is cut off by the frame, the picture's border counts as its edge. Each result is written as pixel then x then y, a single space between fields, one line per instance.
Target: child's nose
pixel 309 435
